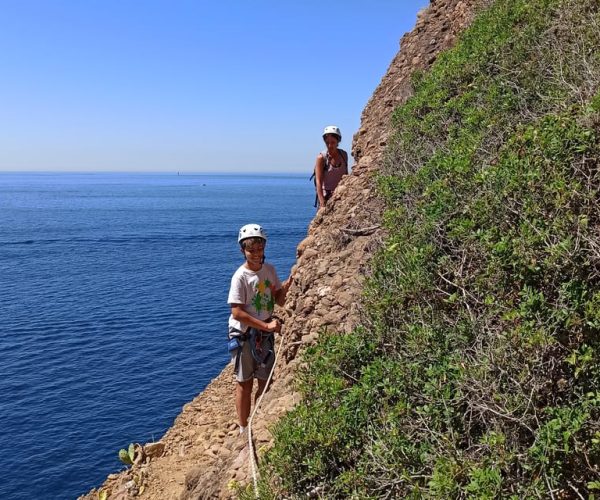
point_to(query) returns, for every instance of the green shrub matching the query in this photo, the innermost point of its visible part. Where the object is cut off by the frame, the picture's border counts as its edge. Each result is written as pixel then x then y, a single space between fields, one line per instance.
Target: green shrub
pixel 475 372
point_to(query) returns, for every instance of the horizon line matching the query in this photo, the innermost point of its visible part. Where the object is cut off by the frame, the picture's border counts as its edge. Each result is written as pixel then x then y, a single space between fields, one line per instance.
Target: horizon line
pixel 154 172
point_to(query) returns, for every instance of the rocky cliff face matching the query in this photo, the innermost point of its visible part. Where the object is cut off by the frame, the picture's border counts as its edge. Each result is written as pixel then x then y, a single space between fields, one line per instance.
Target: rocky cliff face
pixel 203 451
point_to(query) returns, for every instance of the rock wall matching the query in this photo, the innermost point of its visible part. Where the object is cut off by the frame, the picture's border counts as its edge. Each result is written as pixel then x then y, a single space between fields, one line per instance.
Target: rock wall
pixel 203 451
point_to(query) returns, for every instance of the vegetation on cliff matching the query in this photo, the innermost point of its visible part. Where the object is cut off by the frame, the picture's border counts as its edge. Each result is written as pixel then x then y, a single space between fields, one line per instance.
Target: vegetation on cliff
pixel 476 372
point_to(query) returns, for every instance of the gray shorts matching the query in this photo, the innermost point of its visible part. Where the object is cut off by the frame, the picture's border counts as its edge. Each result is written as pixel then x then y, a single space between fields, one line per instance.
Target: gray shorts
pixel 248 367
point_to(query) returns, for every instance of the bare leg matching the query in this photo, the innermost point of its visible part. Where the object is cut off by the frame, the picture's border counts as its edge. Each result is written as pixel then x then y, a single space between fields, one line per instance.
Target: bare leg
pixel 261 387
pixel 243 397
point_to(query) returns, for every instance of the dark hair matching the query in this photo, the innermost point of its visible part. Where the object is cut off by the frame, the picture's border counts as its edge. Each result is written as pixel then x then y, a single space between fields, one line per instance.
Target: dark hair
pixel 339 139
pixel 254 239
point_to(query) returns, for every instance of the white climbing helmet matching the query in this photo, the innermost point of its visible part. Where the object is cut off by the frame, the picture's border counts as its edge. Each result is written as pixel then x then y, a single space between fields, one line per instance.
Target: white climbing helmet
pixel 332 129
pixel 252 231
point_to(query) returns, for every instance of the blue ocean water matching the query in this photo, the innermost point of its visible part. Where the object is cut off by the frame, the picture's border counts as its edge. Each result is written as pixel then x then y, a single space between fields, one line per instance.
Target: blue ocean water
pixel 113 309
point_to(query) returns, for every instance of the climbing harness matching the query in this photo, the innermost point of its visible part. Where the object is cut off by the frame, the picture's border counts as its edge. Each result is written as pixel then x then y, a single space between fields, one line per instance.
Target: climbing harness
pixel 261 343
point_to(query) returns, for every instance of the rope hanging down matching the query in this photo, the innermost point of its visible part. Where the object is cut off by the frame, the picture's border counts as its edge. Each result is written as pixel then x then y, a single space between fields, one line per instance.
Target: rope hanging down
pixel 256 407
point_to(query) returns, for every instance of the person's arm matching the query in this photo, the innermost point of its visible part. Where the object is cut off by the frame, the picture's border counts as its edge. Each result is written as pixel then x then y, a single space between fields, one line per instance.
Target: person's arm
pixel 238 313
pixel 319 169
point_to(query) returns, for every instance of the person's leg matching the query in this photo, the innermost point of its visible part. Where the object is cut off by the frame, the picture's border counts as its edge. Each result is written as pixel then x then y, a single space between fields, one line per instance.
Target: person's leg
pixel 245 380
pixel 243 397
pixel 261 387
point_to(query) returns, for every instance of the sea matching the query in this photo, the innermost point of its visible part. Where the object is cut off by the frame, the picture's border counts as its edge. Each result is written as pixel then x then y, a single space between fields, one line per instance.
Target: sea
pixel 113 309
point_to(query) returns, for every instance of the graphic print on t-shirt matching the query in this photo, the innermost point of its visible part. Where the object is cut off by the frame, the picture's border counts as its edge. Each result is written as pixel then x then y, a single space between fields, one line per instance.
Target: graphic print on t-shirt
pixel 262 300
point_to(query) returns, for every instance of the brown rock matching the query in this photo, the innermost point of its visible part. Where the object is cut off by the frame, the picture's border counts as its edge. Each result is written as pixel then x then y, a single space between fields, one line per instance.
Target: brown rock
pixel 241 460
pixel 154 450
pixel 311 338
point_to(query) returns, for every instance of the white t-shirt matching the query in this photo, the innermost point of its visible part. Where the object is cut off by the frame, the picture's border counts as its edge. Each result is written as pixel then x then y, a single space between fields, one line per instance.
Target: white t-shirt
pixel 255 290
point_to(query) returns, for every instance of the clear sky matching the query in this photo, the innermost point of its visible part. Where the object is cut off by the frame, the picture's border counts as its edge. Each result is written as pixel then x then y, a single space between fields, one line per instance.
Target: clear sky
pixel 183 85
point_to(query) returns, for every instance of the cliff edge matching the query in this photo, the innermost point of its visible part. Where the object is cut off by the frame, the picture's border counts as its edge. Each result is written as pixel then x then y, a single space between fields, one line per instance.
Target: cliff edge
pixel 202 452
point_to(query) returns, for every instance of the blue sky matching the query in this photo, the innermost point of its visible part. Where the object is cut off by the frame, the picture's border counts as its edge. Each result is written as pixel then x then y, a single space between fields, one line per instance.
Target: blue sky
pixel 181 85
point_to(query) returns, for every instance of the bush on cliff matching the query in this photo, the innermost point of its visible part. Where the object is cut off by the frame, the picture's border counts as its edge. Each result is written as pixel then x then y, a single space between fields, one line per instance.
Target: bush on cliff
pixel 476 372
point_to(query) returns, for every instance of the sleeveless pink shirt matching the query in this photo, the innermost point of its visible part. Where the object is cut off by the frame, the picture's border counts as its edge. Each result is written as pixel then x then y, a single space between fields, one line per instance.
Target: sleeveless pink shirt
pixel 333 174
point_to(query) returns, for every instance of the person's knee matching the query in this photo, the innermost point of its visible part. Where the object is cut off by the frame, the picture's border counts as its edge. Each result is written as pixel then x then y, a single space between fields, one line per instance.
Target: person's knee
pixel 246 386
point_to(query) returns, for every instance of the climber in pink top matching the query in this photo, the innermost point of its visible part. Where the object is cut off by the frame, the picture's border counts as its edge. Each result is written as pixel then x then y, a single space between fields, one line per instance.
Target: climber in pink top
pixel 331 165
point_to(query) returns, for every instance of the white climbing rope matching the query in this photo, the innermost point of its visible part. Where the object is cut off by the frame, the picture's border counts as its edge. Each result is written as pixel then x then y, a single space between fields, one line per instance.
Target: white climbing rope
pixel 256 406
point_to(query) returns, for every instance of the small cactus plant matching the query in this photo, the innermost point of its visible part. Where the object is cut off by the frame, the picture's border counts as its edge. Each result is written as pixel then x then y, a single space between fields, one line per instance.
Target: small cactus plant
pixel 126 456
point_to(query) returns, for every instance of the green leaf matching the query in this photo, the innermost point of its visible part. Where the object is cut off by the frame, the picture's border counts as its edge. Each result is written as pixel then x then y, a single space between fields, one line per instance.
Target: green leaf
pixel 594 485
pixel 124 457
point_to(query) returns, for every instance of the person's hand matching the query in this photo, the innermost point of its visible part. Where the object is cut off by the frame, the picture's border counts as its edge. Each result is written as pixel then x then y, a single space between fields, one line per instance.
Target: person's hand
pixel 274 326
pixel 287 284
